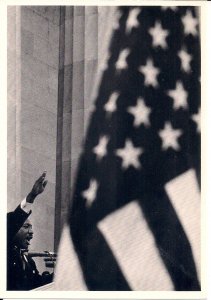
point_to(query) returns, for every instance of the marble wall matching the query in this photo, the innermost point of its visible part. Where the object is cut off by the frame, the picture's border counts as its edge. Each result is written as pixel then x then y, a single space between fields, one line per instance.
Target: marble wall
pixel 78 63
pixel 83 42
pixel 32 113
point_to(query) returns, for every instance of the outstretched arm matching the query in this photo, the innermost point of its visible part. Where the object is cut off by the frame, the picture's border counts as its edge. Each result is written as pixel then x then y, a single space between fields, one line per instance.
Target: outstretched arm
pixel 16 218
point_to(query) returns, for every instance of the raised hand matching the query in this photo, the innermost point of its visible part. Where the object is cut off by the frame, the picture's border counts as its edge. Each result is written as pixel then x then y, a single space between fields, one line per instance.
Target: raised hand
pixel 37 188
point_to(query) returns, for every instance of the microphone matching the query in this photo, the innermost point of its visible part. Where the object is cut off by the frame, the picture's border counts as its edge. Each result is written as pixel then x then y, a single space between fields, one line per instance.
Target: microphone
pixel 42 254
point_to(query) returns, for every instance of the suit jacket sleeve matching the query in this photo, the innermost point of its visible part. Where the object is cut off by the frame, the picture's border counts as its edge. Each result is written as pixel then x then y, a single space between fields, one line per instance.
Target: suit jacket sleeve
pixel 15 221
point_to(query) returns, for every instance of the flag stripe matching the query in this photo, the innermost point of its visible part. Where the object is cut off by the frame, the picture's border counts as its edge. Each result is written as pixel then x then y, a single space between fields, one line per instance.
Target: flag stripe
pixel 69 275
pixel 184 194
pixel 133 244
pixel 171 239
pixel 101 271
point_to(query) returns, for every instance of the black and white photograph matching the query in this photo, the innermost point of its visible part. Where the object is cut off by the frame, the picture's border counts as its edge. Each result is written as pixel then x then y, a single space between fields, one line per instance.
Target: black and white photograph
pixel 104 148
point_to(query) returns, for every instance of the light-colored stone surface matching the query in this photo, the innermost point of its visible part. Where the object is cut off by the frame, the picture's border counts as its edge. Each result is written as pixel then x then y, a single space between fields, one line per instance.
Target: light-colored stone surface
pixel 78 38
pixel 79 11
pixel 53 35
pixel 36 163
pixel 42 97
pixel 46 52
pixel 78 86
pixel 66 180
pixel 77 131
pixel 11 109
pixel 91 33
pixel 34 69
pixel 51 13
pixel 13 60
pixel 89 10
pixel 68 84
pixel 40 142
pixel 11 33
pixel 52 79
pixel 33 22
pixel 27 42
pixel 68 59
pixel 11 75
pixel 37 118
pixel 67 136
pixel 69 10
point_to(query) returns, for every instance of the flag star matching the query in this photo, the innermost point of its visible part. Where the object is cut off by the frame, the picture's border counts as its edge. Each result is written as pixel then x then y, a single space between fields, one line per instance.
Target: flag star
pixel 150 73
pixel 190 24
pixel 179 96
pixel 121 62
pixel 159 35
pixel 197 119
pixel 140 112
pixel 111 106
pixel 132 20
pixel 170 137
pixel 174 8
pixel 185 58
pixel 100 150
pixel 129 155
pixel 91 192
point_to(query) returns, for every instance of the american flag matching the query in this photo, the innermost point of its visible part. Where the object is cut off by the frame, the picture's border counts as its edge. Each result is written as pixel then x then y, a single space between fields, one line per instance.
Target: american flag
pixel 134 220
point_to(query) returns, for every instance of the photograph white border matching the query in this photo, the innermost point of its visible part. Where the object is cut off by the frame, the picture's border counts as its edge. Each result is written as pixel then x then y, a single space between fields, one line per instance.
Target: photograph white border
pixel 205 79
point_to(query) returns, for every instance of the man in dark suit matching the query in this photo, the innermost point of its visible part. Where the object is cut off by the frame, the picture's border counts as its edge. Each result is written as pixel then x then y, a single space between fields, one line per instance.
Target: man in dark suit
pixel 22 273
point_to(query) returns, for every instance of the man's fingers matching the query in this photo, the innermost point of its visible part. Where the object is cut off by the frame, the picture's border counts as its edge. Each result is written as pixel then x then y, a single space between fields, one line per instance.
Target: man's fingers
pixel 39 185
pixel 42 177
pixel 45 182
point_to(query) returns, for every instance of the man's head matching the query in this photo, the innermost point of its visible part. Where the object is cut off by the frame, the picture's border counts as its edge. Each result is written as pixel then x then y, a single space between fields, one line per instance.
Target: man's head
pixel 24 235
